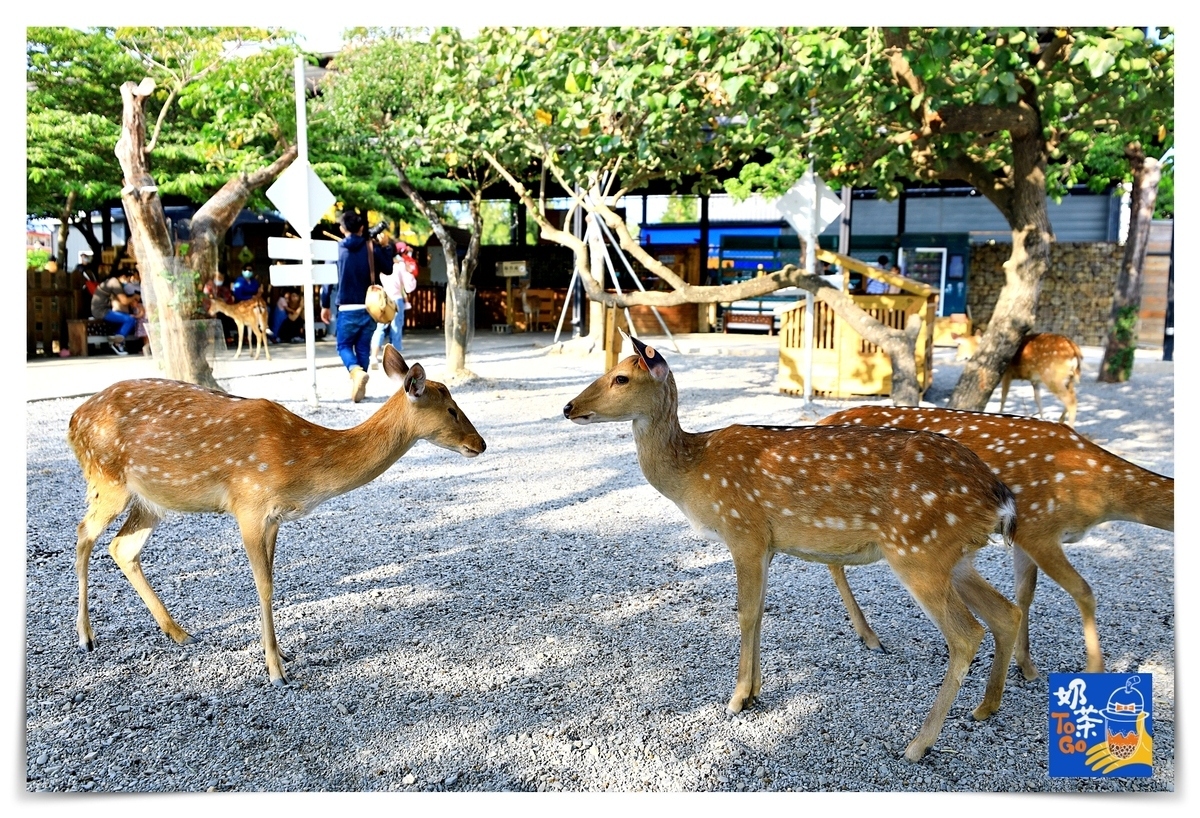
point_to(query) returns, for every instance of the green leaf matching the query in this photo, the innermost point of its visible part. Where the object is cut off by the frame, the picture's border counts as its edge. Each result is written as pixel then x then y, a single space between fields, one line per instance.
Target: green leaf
pixel 734 84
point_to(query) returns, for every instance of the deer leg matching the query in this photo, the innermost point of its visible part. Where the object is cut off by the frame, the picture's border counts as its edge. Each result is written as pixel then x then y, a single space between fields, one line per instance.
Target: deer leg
pixel 1024 585
pixel 1004 621
pixel 259 539
pixel 241 329
pixel 1050 558
pixel 963 634
pixel 1037 398
pixel 1066 394
pixel 1005 380
pixel 750 566
pixel 106 502
pixel 857 619
pixel 126 551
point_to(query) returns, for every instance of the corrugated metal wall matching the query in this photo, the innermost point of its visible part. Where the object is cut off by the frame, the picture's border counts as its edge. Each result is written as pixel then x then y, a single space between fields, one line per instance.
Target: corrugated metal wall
pixel 1077 218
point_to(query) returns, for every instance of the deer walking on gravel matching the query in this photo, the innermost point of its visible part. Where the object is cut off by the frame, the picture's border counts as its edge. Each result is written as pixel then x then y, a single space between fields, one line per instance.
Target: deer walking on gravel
pixel 1064 485
pixel 153 446
pixel 840 496
pixel 250 317
pixel 1046 358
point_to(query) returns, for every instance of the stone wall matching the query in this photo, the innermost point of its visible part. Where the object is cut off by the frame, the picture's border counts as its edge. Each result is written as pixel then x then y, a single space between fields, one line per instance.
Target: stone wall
pixel 1077 291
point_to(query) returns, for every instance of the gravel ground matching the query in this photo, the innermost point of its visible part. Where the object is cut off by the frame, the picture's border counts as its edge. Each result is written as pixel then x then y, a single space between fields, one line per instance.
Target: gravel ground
pixel 540 619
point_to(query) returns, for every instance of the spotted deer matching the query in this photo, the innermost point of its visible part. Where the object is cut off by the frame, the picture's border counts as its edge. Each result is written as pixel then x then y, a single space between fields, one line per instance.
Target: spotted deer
pixel 250 316
pixel 1064 485
pixel 1053 360
pixel 153 446
pixel 840 496
pixel 531 305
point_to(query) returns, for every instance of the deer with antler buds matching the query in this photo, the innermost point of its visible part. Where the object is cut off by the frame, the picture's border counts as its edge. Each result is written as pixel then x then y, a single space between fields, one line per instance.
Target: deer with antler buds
pixel 153 446
pixel 841 496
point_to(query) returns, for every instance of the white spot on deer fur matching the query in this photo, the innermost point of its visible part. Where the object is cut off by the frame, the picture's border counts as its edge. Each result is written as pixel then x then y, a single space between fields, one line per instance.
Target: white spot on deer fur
pixel 706 476
pixel 724 482
pixel 787 512
pixel 951 519
pixel 733 512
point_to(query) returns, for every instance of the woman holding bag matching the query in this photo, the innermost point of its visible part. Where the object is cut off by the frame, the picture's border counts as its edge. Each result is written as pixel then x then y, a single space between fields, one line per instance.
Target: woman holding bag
pixel 395 284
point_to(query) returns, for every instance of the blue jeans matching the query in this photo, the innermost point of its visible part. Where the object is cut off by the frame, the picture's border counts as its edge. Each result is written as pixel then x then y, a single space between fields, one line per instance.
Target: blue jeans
pixel 393 331
pixel 276 321
pixel 354 330
pixel 125 323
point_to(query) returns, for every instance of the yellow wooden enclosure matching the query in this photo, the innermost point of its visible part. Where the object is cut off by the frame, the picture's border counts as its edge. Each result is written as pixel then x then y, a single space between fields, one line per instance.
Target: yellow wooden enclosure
pixel 844 363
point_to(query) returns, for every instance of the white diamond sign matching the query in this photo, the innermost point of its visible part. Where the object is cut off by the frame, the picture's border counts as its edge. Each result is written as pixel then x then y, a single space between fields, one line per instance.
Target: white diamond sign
pixel 301 197
pixel 797 204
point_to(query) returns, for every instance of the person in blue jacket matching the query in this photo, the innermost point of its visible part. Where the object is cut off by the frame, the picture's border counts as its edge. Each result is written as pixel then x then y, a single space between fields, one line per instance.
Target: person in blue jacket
pixel 245 286
pixel 354 325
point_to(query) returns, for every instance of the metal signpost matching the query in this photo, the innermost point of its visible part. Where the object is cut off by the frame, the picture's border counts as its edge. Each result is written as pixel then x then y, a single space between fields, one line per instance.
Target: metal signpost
pixel 810 207
pixel 303 199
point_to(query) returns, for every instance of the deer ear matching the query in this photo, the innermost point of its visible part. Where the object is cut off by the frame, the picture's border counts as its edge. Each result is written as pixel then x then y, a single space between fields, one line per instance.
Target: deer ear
pixel 651 360
pixel 393 363
pixel 414 382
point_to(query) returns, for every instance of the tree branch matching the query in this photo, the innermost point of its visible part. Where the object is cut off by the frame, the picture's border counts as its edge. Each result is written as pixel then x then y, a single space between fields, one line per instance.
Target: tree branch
pixel 997 191
pixel 1055 52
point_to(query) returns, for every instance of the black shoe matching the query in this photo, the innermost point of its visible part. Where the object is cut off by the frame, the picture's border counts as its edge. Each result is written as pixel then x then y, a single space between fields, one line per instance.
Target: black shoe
pixel 119 349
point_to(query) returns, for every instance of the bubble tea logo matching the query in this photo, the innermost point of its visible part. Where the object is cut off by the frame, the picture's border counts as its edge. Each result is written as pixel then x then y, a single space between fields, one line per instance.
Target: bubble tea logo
pixel 1101 725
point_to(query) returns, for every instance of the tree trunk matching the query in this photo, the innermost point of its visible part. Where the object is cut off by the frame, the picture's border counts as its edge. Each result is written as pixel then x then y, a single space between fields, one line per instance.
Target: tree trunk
pixel 1016 307
pixel 1117 364
pixel 86 229
pixel 171 286
pixel 597 267
pixel 459 294
pixel 458 324
pixel 64 230
pixel 167 284
pixel 214 218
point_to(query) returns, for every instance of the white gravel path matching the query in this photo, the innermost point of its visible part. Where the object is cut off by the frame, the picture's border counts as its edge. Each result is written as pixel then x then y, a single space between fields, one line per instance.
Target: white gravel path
pixel 540 618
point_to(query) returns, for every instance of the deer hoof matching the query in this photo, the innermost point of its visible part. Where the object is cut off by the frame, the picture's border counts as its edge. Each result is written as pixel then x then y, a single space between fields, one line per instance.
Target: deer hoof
pixel 737 704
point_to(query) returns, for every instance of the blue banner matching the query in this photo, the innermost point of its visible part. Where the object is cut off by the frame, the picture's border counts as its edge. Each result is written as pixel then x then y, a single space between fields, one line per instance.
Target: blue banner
pixel 1101 725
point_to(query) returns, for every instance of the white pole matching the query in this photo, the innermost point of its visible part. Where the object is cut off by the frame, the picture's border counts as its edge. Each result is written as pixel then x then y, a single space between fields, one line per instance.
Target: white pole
pixel 810 263
pixel 310 349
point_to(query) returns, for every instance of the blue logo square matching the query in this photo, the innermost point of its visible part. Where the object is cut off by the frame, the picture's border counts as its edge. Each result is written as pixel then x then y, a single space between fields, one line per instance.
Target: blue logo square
pixel 1101 725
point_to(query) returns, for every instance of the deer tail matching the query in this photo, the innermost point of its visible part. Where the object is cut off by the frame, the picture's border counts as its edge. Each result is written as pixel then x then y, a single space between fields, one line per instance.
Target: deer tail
pixel 1006 510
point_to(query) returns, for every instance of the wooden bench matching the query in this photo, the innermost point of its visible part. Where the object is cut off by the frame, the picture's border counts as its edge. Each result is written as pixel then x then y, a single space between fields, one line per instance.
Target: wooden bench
pixel 82 332
pixel 741 320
